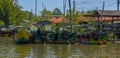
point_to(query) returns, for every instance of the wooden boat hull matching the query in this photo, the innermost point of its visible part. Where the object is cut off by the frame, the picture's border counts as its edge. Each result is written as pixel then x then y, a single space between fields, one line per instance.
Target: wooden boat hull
pixel 53 42
pixel 91 43
pixel 25 41
pixel 21 41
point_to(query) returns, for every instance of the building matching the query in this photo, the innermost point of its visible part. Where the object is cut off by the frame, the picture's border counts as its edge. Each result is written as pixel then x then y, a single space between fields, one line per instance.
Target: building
pixel 110 16
pixel 57 17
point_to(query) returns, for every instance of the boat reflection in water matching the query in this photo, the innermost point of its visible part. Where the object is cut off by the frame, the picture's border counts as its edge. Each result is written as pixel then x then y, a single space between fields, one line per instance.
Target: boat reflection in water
pixel 10 50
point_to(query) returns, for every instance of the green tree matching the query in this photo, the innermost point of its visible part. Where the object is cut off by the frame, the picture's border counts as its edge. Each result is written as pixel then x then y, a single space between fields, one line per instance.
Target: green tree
pixel 45 14
pixel 90 12
pixel 2 23
pixel 11 13
pixel 8 10
pixel 76 16
pixel 4 11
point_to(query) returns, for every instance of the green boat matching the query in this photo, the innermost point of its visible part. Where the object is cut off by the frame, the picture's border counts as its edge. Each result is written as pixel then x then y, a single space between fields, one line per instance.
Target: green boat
pixel 22 37
pixel 21 41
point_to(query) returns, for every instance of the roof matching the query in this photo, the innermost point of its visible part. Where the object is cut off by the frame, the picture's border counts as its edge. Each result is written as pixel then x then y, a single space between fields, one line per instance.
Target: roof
pixel 57 12
pixel 109 12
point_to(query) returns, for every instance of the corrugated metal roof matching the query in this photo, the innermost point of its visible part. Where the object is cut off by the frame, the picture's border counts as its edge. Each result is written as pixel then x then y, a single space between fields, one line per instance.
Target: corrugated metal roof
pixel 109 12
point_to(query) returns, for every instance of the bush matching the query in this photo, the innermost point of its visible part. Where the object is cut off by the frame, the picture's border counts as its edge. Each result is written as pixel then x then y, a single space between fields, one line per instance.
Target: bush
pixel 2 23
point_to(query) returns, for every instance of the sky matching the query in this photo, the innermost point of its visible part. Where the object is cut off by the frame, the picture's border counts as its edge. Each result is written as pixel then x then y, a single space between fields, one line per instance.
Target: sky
pixel 81 5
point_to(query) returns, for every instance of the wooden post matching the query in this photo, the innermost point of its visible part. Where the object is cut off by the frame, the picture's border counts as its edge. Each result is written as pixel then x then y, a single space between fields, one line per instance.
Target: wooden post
pixel 35 7
pixel 64 7
pixel 118 4
pixel 70 14
pixel 101 21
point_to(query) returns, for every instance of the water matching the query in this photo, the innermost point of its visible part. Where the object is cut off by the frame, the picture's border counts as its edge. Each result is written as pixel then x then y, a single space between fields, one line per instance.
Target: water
pixel 10 50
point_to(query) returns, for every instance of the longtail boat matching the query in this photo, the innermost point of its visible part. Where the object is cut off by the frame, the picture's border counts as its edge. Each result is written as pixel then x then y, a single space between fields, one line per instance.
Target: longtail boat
pixel 22 37
pixel 93 38
pixel 48 37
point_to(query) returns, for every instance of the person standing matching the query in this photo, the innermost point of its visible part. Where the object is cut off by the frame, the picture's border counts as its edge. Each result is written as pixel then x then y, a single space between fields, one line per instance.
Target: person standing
pixel 56 35
pixel 43 36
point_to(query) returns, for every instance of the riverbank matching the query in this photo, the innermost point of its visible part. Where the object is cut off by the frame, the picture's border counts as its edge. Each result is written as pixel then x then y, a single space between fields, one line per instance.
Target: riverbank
pixel 8 49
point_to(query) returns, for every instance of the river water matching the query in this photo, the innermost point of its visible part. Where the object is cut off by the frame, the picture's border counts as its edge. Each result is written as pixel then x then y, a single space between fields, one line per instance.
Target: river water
pixel 10 50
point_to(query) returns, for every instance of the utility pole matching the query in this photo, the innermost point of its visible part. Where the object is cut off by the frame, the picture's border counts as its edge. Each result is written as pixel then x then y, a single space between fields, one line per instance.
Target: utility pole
pixel 101 21
pixel 35 7
pixel 43 6
pixel 64 7
pixel 70 13
pixel 118 2
pixel 102 11
pixel 30 17
pixel 74 6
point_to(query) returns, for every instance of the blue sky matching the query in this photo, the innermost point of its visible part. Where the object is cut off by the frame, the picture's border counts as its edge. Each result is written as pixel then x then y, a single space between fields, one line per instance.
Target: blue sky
pixel 80 4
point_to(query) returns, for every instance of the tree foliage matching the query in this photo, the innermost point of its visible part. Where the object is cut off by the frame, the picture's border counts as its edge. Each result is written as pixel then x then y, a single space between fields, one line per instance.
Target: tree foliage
pixel 11 13
pixel 45 14
pixel 2 23
pixel 76 16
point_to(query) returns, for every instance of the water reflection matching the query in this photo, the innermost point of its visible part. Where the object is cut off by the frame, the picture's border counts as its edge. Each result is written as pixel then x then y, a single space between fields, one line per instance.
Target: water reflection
pixel 10 50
